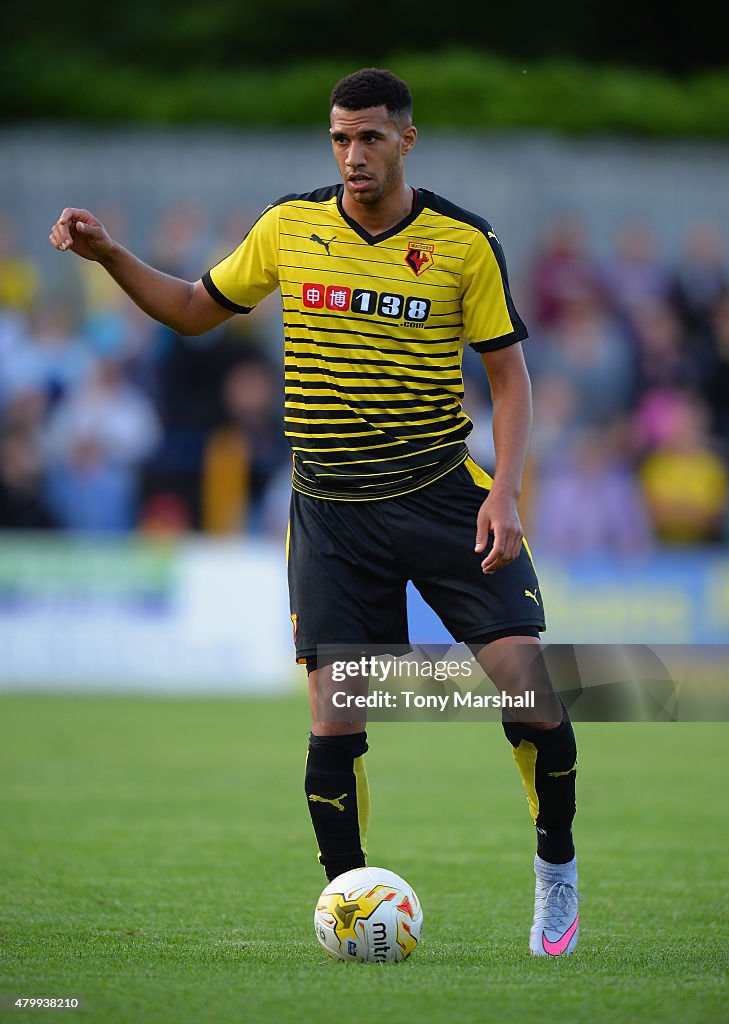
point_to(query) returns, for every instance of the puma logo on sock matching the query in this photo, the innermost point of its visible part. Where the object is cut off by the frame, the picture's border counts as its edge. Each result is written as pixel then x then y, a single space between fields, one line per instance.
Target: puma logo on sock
pixel 335 801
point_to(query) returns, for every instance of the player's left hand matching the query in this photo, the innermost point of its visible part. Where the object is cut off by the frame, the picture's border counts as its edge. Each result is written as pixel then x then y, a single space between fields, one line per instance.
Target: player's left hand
pixel 499 516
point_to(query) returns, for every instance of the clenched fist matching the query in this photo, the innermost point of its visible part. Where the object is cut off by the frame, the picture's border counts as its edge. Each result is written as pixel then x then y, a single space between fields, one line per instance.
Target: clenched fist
pixel 81 232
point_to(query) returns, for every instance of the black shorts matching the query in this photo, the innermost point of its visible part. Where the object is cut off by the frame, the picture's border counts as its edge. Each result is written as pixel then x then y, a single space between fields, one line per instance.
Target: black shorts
pixel 349 563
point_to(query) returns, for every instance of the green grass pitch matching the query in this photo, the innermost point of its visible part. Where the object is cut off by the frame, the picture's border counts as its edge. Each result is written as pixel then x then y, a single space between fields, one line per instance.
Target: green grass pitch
pixel 156 859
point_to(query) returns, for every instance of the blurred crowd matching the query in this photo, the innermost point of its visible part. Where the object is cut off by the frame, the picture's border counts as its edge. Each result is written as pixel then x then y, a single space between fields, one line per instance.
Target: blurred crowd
pixel 111 423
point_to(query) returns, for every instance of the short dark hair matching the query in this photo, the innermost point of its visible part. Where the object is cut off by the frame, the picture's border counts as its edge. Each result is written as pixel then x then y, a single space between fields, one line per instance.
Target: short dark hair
pixel 374 87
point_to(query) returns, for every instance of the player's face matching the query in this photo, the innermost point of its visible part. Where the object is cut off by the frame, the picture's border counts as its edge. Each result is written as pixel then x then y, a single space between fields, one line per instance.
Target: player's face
pixel 370 150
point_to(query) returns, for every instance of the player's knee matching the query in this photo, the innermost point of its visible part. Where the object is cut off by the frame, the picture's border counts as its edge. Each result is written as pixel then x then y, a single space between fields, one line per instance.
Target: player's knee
pixel 547 737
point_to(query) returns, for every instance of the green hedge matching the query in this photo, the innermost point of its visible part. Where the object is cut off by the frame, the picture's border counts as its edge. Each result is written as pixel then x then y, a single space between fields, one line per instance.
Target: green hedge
pixel 457 89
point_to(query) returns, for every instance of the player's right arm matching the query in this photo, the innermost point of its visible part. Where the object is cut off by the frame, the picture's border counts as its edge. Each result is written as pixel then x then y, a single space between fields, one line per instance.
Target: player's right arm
pixel 183 306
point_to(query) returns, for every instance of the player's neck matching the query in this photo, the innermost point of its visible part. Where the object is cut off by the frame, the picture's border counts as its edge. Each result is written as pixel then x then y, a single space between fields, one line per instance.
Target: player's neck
pixel 384 215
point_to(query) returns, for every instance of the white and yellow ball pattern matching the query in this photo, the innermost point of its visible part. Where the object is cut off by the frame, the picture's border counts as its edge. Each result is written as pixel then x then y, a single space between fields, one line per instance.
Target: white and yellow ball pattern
pixel 369 914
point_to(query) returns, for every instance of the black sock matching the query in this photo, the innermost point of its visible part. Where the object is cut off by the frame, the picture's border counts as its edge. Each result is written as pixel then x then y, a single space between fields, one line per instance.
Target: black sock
pixel 547 760
pixel 339 800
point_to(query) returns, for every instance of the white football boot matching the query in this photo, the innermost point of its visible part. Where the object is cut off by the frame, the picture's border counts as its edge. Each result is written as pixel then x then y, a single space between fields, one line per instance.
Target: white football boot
pixel 556 912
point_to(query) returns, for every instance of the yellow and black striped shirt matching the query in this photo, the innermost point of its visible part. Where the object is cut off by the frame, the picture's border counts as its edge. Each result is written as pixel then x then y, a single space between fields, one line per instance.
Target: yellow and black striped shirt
pixel 374 328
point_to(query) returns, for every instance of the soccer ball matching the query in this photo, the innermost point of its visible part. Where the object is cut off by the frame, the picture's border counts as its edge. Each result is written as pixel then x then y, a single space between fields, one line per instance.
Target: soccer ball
pixel 368 914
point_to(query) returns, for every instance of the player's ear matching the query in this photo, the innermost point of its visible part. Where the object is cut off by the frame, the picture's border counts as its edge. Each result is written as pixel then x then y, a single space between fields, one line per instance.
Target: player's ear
pixel 408 139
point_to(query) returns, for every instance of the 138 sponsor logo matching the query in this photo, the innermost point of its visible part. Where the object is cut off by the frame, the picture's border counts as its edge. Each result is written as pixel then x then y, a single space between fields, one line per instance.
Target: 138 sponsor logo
pixel 340 299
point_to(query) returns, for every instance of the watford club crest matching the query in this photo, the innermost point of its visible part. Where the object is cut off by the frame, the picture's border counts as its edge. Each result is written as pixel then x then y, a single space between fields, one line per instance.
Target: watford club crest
pixel 419 257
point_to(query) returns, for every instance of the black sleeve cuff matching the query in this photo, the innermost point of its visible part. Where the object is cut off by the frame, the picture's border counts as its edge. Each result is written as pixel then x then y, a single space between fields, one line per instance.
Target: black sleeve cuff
pixel 494 344
pixel 220 298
